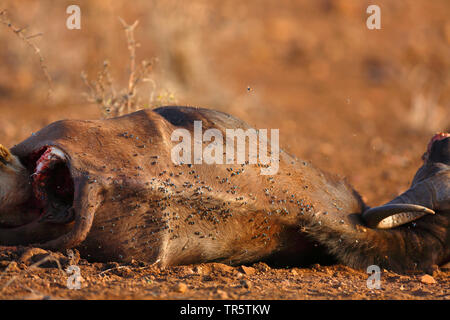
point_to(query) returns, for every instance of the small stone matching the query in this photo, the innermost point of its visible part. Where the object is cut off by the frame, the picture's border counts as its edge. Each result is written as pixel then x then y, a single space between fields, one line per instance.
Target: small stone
pixel 199 270
pixel 294 272
pixel 12 267
pixel 427 279
pixel 247 270
pixel 181 287
pixel 185 270
pixel 261 266
pixel 316 266
pixel 222 294
pixel 221 268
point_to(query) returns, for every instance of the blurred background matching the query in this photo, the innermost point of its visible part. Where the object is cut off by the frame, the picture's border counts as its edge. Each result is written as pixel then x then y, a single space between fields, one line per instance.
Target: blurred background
pixel 356 102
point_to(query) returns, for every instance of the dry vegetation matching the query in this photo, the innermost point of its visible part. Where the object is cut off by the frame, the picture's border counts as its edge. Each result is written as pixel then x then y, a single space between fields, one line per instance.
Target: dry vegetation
pixel 102 91
pixel 356 102
pixel 26 38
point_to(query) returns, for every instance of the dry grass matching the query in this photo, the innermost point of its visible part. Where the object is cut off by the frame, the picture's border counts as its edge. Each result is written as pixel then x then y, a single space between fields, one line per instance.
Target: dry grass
pixel 114 103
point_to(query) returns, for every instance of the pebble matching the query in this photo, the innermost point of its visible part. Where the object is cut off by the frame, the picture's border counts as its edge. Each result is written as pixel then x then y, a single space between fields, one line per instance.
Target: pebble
pixel 247 270
pixel 221 268
pixel 427 279
pixel 222 294
pixel 199 270
pixel 13 267
pixel 181 287
pixel 261 266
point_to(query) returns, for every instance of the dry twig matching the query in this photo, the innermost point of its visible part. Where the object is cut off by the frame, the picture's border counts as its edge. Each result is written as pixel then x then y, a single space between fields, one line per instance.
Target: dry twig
pixel 21 33
pixel 102 92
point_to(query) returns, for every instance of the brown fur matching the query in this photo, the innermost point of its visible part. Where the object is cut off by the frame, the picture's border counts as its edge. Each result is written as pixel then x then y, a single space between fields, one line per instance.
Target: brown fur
pixel 132 202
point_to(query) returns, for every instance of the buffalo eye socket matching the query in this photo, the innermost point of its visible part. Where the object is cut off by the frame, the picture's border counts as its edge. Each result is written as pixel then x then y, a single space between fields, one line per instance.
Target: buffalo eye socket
pixel 3 161
pixel 440 151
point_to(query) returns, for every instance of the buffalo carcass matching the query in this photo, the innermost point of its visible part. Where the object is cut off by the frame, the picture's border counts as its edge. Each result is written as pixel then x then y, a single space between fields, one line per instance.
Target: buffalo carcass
pixel 110 189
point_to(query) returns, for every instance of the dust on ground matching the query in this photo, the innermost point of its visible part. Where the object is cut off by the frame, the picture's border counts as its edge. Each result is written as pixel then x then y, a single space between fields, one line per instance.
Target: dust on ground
pixel 38 275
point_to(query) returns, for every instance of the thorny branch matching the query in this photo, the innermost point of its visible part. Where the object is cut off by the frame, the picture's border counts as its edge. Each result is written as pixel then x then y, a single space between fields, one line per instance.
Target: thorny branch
pixel 101 90
pixel 21 33
pixel 129 31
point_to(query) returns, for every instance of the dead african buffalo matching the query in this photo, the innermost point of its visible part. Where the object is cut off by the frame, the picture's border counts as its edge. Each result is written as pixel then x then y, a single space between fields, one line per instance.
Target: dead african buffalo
pixel 110 189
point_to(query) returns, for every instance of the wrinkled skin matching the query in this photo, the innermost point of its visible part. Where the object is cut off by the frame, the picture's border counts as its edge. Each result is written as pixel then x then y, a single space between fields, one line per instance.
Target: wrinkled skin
pixel 110 189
